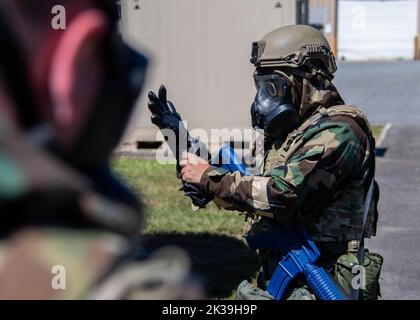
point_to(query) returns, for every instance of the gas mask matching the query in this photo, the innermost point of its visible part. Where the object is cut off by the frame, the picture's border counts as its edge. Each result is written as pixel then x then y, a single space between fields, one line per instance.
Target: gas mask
pixel 273 110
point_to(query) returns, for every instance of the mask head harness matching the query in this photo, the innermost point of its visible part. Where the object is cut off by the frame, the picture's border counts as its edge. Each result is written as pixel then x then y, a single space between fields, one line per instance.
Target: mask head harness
pixel 123 82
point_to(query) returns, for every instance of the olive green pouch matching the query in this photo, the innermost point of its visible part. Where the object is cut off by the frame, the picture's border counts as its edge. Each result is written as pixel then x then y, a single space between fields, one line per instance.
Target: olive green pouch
pixel 372 264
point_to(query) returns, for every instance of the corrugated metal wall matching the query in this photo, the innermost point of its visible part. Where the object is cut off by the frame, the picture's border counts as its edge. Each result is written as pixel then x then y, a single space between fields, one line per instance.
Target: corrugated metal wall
pixel 201 51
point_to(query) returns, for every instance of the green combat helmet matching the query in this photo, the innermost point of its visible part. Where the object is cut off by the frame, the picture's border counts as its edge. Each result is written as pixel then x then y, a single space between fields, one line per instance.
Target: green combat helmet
pixel 300 47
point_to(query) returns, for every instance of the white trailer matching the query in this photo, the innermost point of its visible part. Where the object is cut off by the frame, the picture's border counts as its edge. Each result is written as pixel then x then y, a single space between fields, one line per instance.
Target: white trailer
pixel 200 49
pixel 377 30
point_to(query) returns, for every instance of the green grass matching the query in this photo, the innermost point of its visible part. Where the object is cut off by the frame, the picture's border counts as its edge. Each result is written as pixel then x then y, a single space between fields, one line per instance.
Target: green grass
pixel 169 210
pixel 377 130
pixel 212 237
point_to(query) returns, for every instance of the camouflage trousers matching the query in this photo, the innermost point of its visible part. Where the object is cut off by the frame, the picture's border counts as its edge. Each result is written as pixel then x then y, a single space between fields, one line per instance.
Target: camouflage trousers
pixel 247 291
pixel 335 258
pixel 298 289
pixel 337 263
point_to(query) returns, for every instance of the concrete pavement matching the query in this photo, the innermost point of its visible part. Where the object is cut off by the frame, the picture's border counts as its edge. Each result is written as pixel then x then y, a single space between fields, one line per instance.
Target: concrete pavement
pixel 385 91
pixel 398 238
pixel 389 92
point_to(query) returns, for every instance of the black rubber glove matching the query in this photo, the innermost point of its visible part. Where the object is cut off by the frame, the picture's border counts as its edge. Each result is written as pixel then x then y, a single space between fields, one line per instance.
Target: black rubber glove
pixel 165 116
pixel 198 198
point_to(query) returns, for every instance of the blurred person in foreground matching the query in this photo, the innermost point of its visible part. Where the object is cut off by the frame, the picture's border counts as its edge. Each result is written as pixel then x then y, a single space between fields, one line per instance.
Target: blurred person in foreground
pixel 318 169
pixel 70 229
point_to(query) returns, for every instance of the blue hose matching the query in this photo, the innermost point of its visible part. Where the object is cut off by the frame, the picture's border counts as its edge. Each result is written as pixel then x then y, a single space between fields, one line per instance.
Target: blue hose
pixel 321 283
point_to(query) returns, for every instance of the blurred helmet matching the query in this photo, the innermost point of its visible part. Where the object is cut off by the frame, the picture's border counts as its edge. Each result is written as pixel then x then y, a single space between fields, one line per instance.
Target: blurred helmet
pixel 55 179
pixel 300 47
pixel 100 133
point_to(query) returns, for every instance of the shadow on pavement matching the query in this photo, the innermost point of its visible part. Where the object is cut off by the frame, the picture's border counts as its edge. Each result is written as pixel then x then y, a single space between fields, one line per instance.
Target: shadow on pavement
pixel 380 152
pixel 221 261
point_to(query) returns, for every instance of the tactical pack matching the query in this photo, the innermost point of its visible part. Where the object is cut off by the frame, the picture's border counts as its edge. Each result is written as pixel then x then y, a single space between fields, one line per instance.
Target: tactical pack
pixel 344 273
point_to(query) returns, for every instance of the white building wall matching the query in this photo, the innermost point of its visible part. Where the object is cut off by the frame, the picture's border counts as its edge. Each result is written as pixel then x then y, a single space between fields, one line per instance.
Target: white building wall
pixel 375 30
pixel 200 50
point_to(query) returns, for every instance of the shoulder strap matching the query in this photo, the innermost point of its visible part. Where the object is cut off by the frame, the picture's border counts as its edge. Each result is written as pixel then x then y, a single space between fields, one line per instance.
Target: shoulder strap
pixel 366 207
pixel 353 112
pixel 356 293
pixel 294 140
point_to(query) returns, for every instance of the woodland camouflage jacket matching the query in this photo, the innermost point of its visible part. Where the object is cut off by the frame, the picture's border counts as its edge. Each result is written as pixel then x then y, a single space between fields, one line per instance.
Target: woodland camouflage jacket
pixel 318 176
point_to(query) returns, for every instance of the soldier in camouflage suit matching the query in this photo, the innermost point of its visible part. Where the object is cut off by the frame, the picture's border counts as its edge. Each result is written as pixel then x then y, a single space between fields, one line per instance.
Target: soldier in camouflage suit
pixel 70 228
pixel 318 166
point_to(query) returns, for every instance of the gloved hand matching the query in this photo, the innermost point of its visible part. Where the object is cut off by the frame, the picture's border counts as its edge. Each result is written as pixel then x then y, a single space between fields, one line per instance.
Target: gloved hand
pixel 164 114
pixel 198 198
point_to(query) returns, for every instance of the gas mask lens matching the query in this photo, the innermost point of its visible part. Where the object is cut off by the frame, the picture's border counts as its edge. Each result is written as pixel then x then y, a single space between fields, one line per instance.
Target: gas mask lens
pixel 272 85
